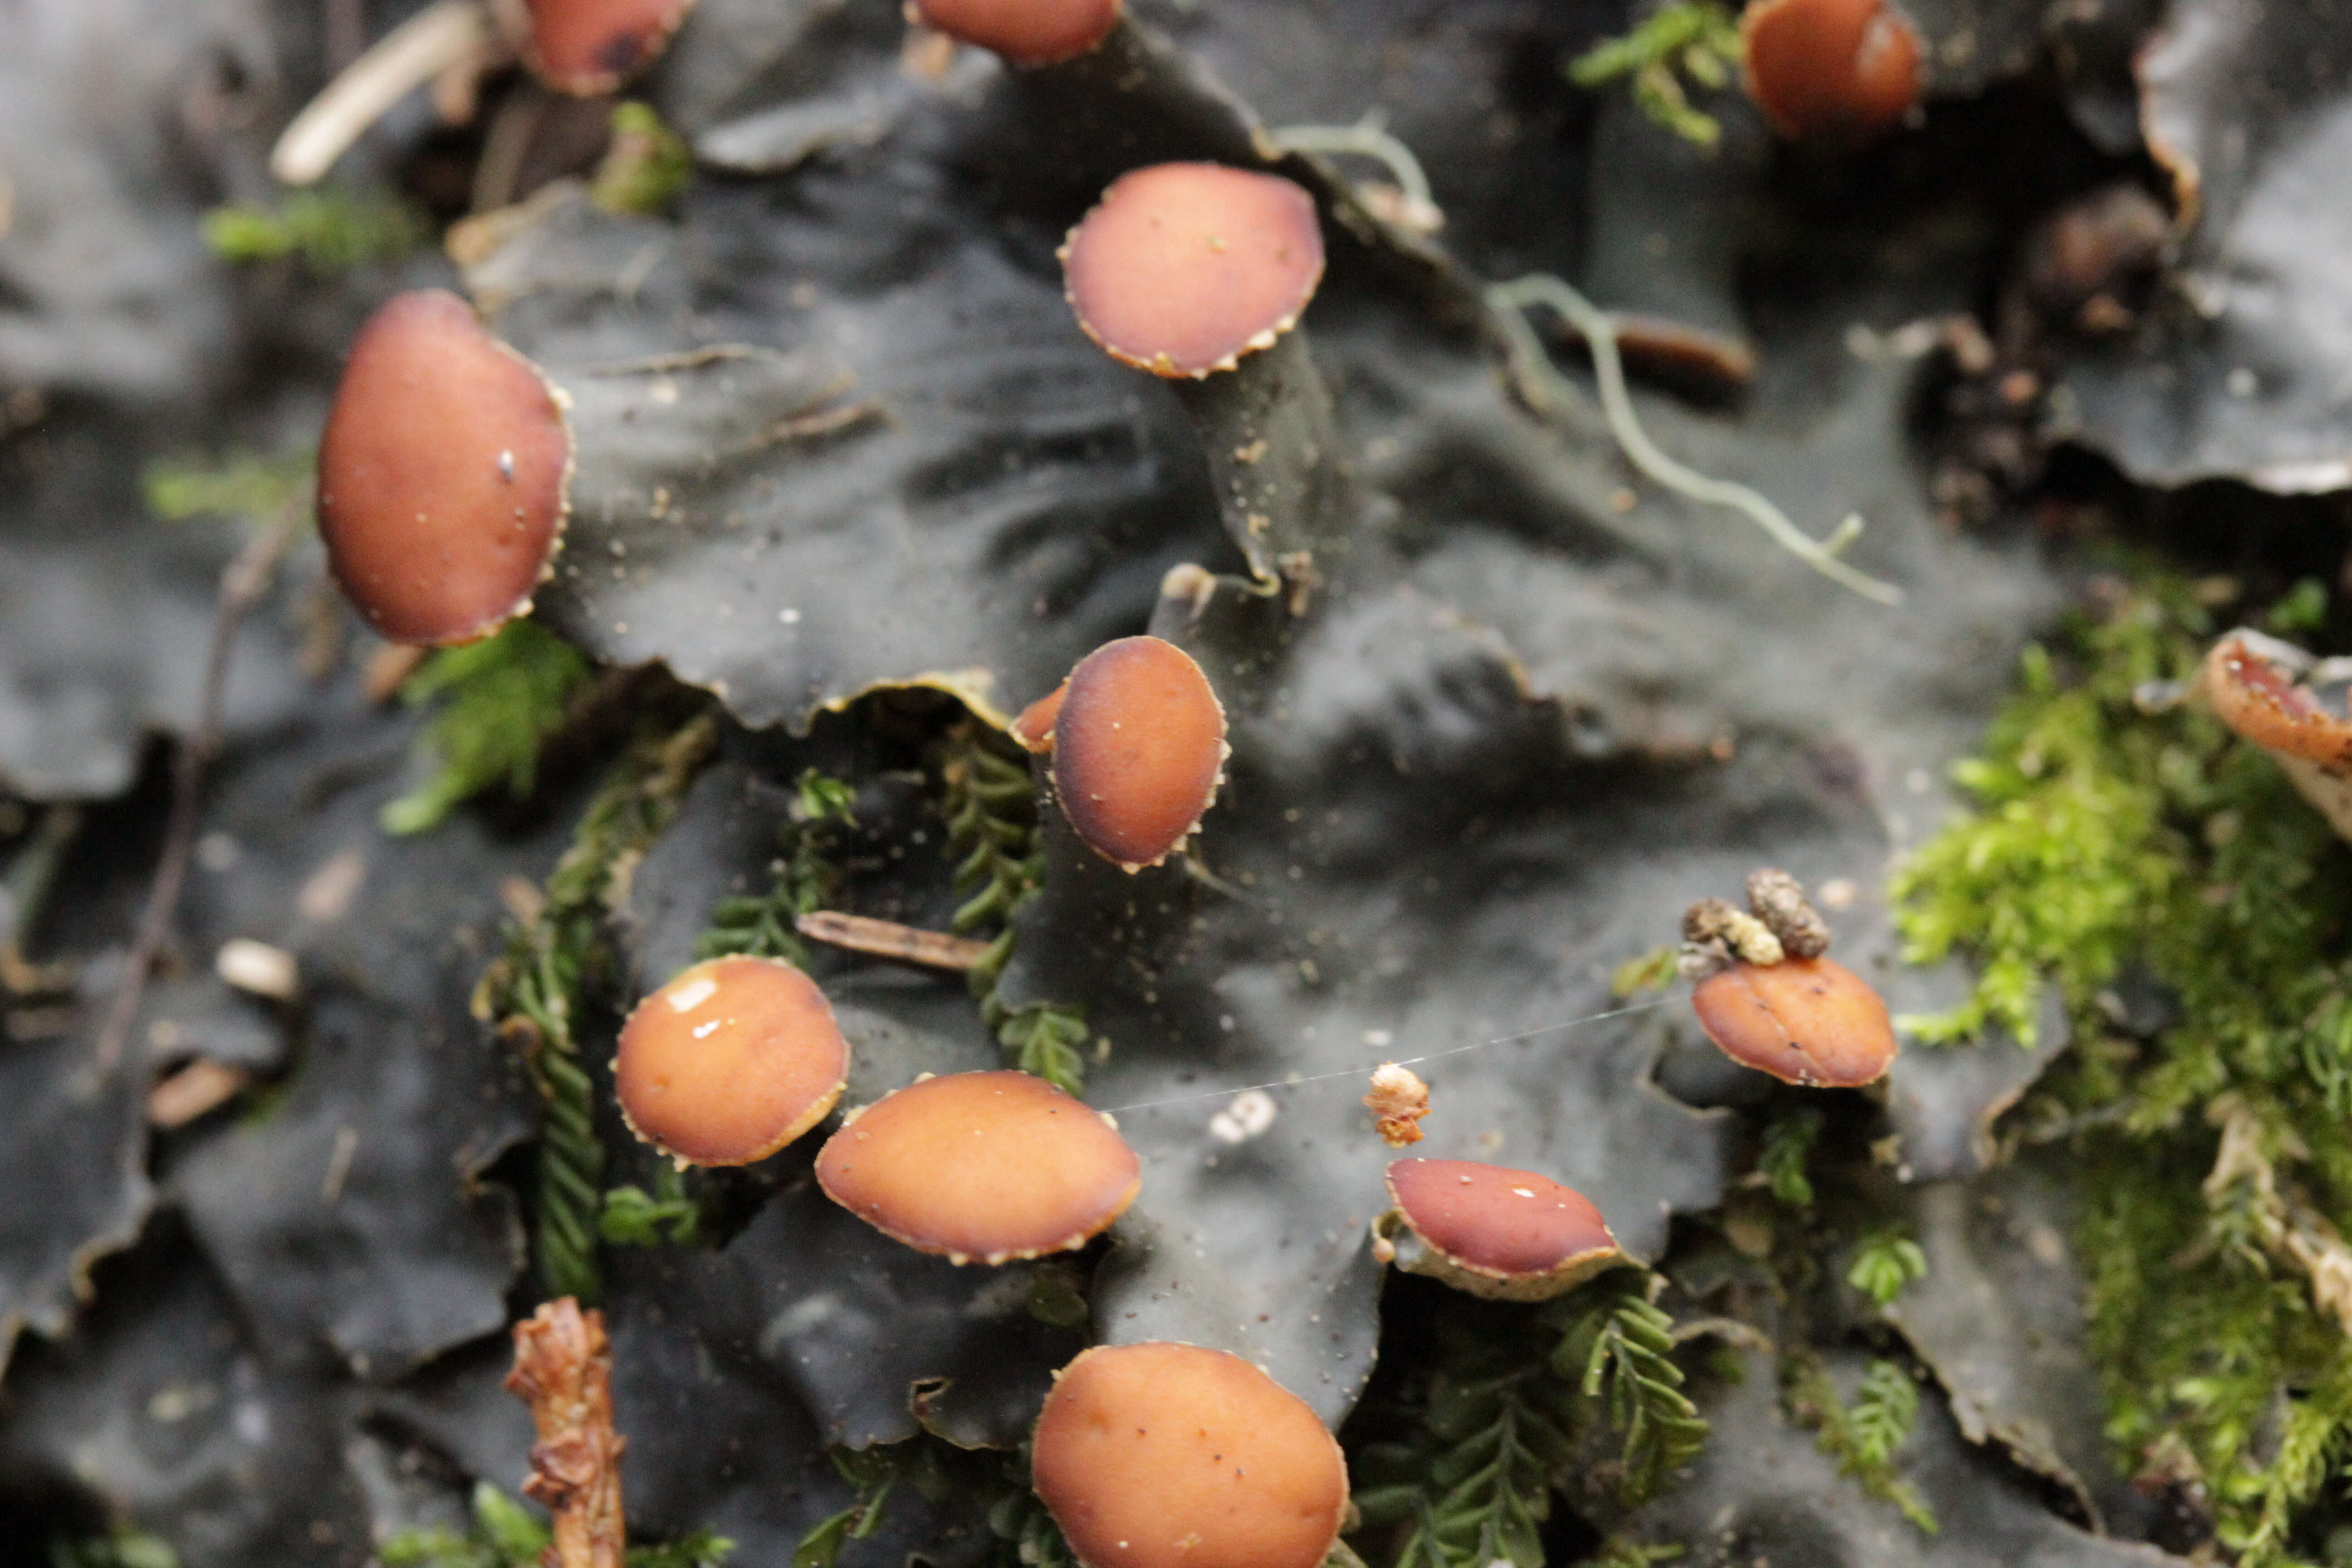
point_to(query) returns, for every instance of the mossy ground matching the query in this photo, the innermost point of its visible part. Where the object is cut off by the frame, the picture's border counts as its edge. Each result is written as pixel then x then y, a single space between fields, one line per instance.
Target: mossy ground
pixel 2192 912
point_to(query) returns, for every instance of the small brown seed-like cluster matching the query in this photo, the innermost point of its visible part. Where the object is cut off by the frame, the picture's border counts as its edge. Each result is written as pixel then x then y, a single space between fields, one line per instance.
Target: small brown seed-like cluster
pixel 1398 1102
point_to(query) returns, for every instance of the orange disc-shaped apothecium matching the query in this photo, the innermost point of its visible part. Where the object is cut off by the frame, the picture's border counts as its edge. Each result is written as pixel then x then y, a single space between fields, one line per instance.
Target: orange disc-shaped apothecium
pixel 1808 1021
pixel 1034 728
pixel 988 1166
pixel 1169 1455
pixel 731 1061
pixel 590 46
pixel 1026 32
pixel 1139 748
pixel 1184 267
pixel 442 475
pixel 2264 703
pixel 1839 69
pixel 1508 1225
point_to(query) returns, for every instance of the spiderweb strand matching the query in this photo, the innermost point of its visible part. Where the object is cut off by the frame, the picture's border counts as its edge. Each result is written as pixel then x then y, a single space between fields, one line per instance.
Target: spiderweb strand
pixel 1509 303
pixel 1229 1092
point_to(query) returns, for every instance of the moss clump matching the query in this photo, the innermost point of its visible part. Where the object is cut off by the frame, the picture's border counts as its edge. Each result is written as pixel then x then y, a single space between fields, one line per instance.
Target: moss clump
pixel 2210 1130
pixel 647 166
pixel 243 484
pixel 1693 38
pixel 329 231
pixel 501 698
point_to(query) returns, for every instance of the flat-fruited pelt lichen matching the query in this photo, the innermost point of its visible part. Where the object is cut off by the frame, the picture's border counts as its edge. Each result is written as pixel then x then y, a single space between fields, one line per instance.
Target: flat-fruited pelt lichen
pixel 2194 914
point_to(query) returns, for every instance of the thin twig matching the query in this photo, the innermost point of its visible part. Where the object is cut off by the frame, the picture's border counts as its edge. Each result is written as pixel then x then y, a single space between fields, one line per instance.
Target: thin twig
pixel 888 939
pixel 243 584
pixel 1545 389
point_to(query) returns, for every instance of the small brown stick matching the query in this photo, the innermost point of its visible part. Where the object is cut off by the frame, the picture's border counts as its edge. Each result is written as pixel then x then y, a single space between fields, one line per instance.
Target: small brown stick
pixel 563 1367
pixel 242 586
pixel 888 939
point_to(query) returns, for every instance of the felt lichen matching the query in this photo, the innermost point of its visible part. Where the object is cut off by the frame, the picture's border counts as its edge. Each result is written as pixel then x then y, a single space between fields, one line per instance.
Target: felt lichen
pixel 1693 38
pixel 2121 844
pixel 500 699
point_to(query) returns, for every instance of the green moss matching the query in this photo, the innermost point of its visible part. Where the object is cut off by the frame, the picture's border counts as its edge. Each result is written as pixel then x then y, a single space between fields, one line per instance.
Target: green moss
pixel 2108 837
pixel 802 879
pixel 1693 38
pixel 990 808
pixel 646 167
pixel 1863 1437
pixel 503 1533
pixel 1885 1264
pixel 121 1547
pixel 243 484
pixel 329 231
pixel 500 699
pixel 1503 1413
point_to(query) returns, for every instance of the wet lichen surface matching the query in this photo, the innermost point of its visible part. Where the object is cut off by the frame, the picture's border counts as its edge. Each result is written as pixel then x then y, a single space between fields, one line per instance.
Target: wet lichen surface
pixel 1495 646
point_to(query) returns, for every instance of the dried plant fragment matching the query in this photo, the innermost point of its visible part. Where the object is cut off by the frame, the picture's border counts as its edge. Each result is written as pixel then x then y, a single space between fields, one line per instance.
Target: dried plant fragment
pixel 563 1367
pixel 1398 1102
pixel 1715 936
pixel 1778 901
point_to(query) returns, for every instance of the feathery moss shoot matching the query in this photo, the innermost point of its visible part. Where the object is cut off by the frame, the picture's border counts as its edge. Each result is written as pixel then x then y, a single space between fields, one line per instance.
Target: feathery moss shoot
pixel 1863 1437
pixel 801 878
pixel 1501 1419
pixel 2114 845
pixel 535 993
pixel 1693 38
pixel 990 806
pixel 501 698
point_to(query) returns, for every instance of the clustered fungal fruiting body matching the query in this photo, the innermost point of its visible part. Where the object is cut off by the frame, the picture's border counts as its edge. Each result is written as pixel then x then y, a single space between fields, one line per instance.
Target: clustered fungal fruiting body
pixel 1139 743
pixel 1026 32
pixel 1769 1000
pixel 1184 267
pixel 1835 70
pixel 1171 1456
pixel 731 1061
pixel 443 474
pixel 591 46
pixel 986 1166
pixel 1506 1235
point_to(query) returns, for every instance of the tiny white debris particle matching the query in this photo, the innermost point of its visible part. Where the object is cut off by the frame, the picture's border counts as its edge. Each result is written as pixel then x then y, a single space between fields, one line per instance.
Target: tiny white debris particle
pixel 1378 1038
pixel 1524 1191
pixel 1251 1113
pixel 704 1031
pixel 507 466
pixel 790 617
pixel 258 967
